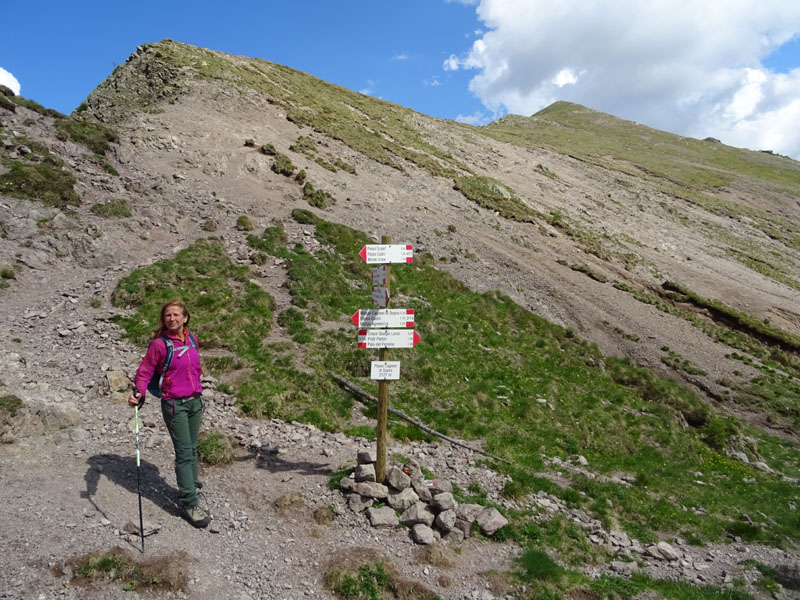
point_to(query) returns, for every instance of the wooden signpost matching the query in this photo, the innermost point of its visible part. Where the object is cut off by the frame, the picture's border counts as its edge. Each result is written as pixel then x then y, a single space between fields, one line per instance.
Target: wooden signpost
pixel 384 337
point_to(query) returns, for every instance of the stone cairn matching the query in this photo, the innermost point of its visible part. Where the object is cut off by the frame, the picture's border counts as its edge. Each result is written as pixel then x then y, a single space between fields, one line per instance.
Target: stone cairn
pixel 427 507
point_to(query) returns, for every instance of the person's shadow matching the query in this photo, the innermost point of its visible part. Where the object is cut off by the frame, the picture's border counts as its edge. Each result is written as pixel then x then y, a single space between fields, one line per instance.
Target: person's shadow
pixel 121 470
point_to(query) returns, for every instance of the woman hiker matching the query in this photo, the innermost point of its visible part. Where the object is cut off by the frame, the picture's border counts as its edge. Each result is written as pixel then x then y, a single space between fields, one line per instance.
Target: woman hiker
pixel 181 399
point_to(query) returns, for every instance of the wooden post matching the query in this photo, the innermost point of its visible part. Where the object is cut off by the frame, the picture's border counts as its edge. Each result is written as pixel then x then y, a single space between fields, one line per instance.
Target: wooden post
pixel 383 394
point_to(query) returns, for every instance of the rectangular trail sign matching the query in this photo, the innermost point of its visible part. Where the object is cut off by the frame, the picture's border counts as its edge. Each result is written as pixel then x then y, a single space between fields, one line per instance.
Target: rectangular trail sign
pixel 379 275
pixel 388 317
pixel 387 338
pixel 387 253
pixel 380 296
pixel 385 369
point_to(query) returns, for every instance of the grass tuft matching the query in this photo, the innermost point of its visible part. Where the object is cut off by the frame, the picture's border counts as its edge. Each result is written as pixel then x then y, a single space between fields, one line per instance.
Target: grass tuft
pixel 215 448
pixel 113 209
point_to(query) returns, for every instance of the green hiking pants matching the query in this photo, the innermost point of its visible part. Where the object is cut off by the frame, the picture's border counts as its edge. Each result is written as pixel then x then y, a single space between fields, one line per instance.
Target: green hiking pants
pixel 182 417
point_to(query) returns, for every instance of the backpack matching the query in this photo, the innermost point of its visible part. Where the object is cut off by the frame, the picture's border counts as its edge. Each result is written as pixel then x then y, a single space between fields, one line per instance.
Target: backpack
pixel 154 387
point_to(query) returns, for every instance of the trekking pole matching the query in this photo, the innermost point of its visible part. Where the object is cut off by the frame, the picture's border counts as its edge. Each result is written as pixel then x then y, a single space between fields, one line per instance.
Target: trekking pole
pixel 138 472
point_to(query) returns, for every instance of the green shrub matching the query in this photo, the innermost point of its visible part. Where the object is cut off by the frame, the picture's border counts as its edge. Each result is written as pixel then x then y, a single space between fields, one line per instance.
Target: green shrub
pixel 10 405
pixel 271 241
pixel 164 575
pixel 111 170
pixel 719 431
pixel 268 149
pixel 209 225
pixel 588 271
pixel 301 176
pixel 325 165
pixel 283 165
pixel 245 223
pixel 344 166
pixel 97 137
pixel 294 322
pixel 215 448
pixel 114 209
pixel 250 143
pixel 304 145
pixel 490 193
pixel 46 181
pixel 316 198
pixel 367 584
pixel 7 273
pixel 539 565
pixel 38 108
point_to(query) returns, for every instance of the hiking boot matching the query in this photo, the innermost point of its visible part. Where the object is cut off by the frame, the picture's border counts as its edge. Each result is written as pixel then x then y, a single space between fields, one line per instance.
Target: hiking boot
pixel 196 515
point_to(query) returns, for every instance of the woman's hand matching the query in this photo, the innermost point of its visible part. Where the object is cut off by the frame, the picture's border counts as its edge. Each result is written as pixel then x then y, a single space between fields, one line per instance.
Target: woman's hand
pixel 135 399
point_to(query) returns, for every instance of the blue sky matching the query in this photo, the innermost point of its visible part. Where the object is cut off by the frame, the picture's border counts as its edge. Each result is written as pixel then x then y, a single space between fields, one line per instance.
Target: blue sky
pixel 730 70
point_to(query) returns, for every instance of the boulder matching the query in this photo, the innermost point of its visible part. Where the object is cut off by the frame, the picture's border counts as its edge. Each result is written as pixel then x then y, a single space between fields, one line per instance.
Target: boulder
pixel 366 457
pixel 468 512
pixel 418 513
pixel 402 500
pixel 490 521
pixel 397 479
pixel 445 521
pixel 117 381
pixel 358 503
pixel 371 489
pixel 365 472
pixel 421 489
pixel 441 486
pixel 383 517
pixel 443 501
pixel 422 534
pixel 667 551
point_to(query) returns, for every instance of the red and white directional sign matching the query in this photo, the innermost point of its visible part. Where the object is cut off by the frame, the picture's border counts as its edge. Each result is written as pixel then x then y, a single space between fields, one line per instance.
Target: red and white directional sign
pixel 380 296
pixel 387 338
pixel 387 253
pixel 379 276
pixel 385 369
pixel 389 317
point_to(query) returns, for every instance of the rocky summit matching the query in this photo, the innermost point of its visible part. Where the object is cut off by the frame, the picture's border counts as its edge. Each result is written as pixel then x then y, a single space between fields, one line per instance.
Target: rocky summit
pixel 603 401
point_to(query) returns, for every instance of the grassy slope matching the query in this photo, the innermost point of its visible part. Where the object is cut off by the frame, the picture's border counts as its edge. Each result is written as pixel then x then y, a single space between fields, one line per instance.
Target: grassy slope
pixel 479 373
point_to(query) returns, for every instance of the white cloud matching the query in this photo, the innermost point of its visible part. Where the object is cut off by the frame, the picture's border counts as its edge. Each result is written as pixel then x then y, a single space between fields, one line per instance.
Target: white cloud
pixel 451 63
pixel 369 90
pixel 432 82
pixel 693 68
pixel 401 57
pixel 565 77
pixel 8 80
pixel 476 118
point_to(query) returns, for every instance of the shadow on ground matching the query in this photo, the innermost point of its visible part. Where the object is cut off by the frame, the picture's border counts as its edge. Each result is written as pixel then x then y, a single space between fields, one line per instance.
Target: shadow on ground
pixel 121 470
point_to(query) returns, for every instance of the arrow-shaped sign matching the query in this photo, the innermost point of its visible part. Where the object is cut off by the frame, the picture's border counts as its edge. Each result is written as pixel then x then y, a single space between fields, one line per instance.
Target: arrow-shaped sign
pixel 387 253
pixel 387 338
pixel 389 317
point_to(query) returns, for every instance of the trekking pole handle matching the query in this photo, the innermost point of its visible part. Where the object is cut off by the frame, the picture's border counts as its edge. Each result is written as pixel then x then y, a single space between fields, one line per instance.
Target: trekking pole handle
pixel 138 397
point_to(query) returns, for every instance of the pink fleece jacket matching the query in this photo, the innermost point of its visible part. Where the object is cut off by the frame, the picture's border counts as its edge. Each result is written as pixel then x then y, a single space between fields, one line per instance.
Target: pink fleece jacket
pixel 183 376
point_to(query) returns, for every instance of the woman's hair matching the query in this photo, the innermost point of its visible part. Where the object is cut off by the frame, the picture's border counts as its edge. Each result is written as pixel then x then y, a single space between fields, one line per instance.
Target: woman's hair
pixel 162 326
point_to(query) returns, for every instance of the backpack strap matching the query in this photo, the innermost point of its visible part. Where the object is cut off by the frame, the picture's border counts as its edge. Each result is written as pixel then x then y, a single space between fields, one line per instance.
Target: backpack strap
pixel 167 361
